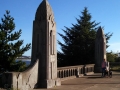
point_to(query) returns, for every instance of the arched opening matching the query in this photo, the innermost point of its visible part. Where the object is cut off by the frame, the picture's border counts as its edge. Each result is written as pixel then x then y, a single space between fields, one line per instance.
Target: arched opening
pixel 51 42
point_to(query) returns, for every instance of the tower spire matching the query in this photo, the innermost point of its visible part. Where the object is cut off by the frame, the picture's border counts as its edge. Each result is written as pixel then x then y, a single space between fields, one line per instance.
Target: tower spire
pixel 44 46
pixel 44 11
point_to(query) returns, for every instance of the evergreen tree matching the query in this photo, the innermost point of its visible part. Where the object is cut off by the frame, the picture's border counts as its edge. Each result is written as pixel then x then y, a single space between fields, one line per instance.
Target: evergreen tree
pixel 111 57
pixel 79 41
pixel 10 46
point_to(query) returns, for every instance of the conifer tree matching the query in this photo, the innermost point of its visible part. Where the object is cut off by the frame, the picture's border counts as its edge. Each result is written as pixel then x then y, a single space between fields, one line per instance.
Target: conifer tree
pixel 10 46
pixel 79 41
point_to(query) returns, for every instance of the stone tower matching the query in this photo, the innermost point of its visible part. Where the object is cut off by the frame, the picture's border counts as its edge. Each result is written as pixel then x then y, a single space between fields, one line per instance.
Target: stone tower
pixel 44 46
pixel 100 49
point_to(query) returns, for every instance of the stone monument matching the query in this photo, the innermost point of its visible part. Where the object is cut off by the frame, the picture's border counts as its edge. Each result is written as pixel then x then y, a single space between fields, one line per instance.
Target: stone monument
pixel 44 46
pixel 42 72
pixel 100 49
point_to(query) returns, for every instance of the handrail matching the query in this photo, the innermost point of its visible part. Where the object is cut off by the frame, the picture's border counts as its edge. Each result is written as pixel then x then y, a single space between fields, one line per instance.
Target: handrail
pixel 75 71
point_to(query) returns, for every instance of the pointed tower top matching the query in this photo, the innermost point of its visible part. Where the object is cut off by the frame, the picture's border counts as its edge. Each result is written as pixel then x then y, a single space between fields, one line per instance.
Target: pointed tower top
pixel 100 29
pixel 44 11
pixel 44 0
pixel 100 32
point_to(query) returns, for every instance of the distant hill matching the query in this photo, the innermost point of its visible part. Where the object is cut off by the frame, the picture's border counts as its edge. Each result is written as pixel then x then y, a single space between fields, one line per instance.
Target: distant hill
pixel 24 57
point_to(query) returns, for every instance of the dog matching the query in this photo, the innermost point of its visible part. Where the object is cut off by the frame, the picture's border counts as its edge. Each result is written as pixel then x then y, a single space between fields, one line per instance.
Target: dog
pixel 108 73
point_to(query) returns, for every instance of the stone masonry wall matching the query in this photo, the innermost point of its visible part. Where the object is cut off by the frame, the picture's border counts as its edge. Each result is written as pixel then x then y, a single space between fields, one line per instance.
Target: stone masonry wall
pixel 21 80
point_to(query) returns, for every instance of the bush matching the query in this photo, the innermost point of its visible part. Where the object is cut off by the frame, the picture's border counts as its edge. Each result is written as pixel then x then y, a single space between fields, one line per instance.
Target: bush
pixel 115 66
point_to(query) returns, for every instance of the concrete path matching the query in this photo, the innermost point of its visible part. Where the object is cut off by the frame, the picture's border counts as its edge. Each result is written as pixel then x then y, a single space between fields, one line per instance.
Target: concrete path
pixel 90 82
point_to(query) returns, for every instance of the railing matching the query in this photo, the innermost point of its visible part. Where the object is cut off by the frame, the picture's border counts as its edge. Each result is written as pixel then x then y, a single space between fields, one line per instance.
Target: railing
pixel 89 69
pixel 74 71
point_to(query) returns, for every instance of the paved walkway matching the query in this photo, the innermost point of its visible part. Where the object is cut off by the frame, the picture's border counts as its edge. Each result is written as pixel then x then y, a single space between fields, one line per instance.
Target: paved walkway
pixel 90 82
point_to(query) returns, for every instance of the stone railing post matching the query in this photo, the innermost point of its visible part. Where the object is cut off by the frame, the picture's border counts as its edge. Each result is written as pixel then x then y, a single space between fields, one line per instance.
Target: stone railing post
pixel 84 70
pixel 78 71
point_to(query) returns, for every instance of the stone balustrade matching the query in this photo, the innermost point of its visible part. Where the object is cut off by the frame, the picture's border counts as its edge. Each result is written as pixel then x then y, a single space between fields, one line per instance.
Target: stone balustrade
pixel 89 69
pixel 74 71
pixel 21 80
pixel 28 78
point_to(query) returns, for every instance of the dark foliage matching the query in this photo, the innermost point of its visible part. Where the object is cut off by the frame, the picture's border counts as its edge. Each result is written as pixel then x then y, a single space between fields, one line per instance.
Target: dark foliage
pixel 10 46
pixel 79 41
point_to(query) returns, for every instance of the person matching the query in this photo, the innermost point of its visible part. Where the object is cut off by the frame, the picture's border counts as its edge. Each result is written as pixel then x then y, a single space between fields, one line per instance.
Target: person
pixel 104 64
pixel 107 66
